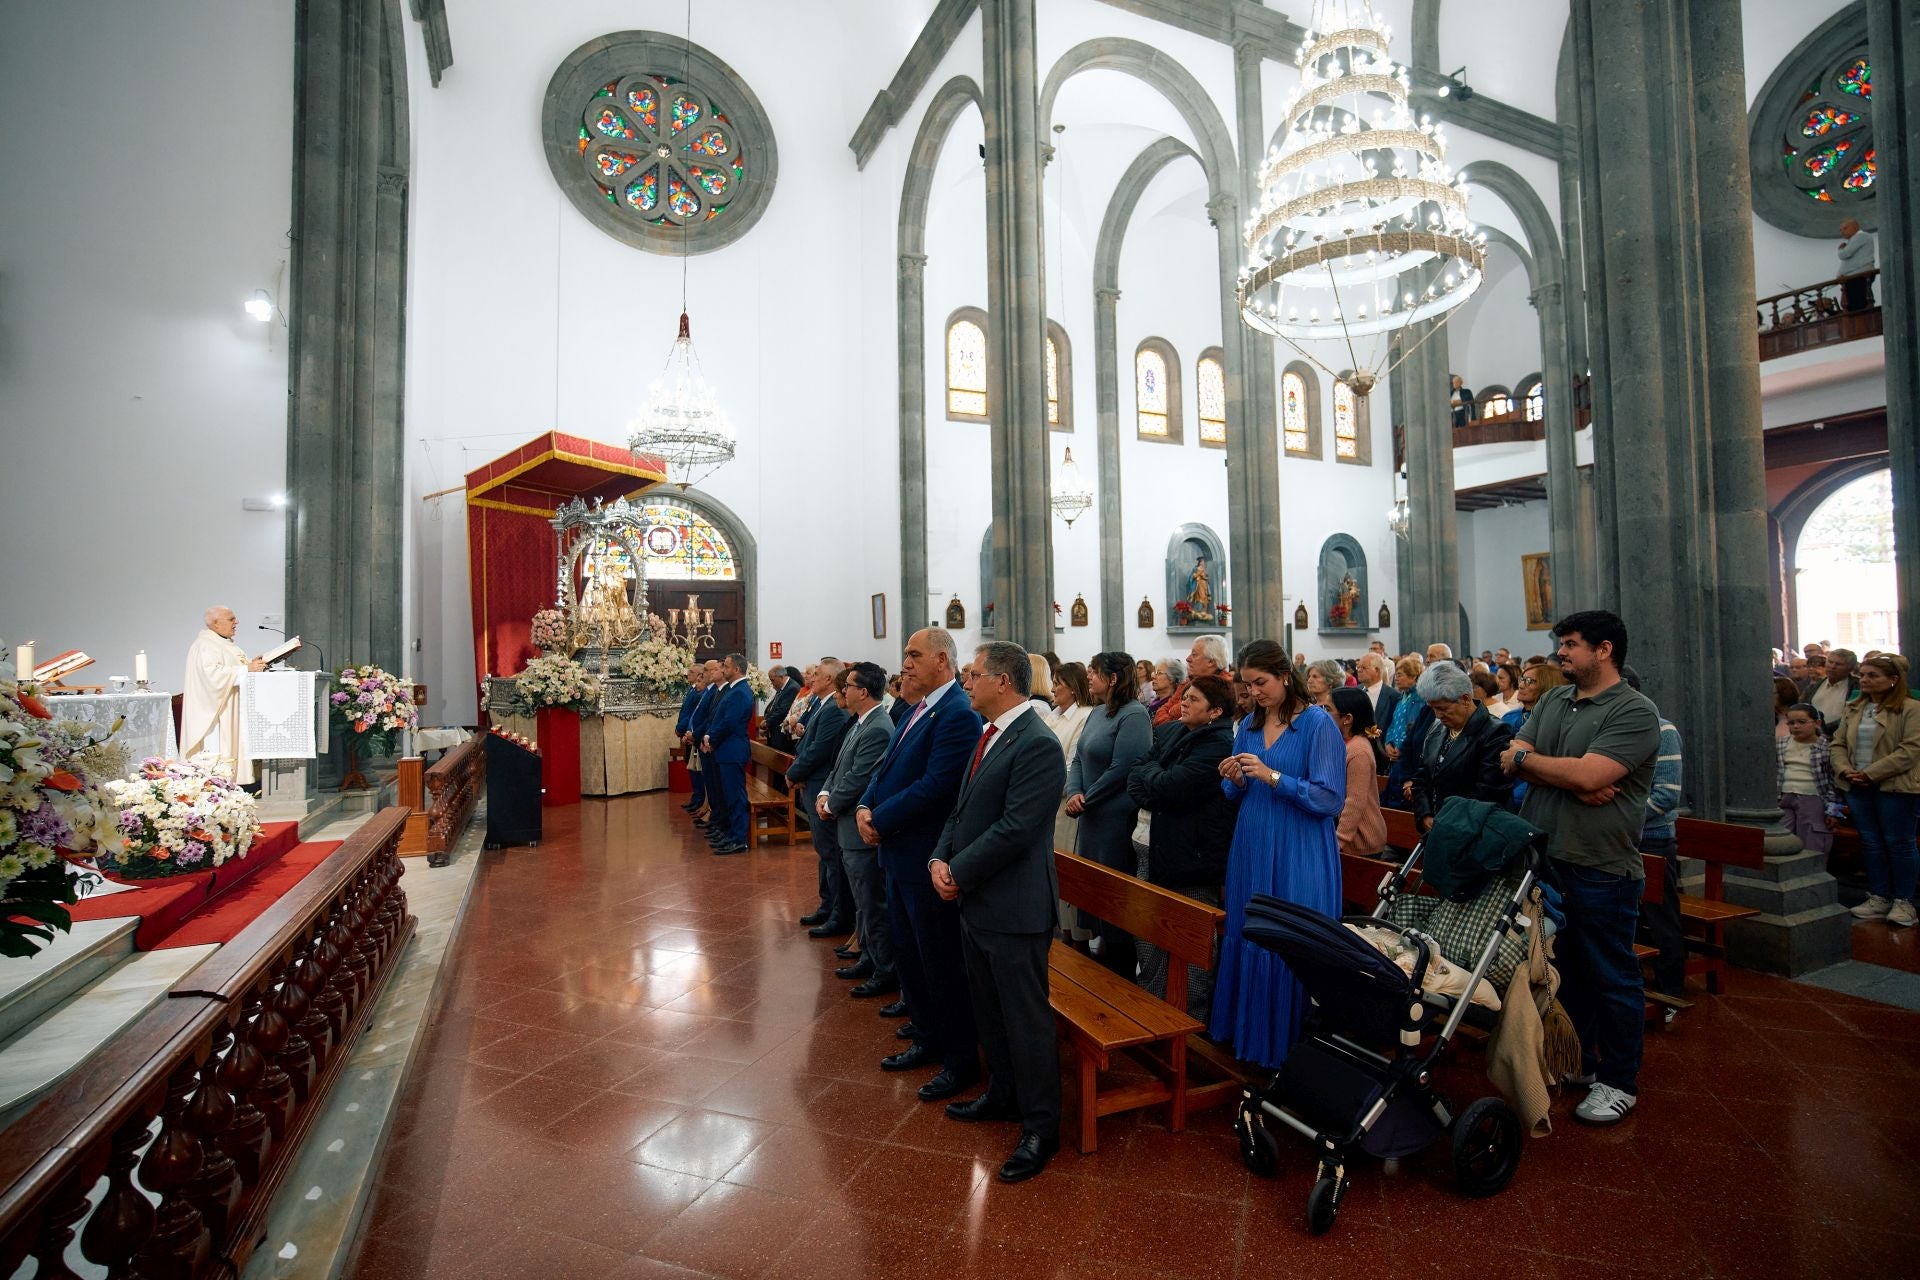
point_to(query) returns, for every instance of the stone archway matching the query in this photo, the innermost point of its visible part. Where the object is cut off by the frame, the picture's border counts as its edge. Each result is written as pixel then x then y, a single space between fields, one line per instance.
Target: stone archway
pixel 746 555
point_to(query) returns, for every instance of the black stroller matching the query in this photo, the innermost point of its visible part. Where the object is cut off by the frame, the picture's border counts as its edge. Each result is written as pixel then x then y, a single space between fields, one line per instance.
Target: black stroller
pixel 1345 1096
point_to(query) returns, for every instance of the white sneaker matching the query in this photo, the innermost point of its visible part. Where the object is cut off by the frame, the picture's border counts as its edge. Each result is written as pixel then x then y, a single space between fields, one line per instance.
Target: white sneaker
pixel 1903 914
pixel 1874 908
pixel 1603 1105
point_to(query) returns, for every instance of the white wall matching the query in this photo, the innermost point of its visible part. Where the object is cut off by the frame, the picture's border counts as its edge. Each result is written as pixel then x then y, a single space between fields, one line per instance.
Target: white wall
pixel 1491 544
pixel 144 202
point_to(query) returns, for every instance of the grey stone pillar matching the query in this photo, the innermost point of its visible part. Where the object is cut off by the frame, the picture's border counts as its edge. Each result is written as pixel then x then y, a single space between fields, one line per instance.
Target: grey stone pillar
pixel 1680 467
pixel 347 330
pixel 911 293
pixel 1106 390
pixel 1016 331
pixel 1430 591
pixel 1580 86
pixel 1895 45
pixel 1563 480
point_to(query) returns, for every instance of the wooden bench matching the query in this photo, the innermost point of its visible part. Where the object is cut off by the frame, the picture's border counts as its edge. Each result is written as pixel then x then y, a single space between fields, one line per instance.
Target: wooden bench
pixel 1101 1014
pixel 1720 845
pixel 770 811
pixel 441 799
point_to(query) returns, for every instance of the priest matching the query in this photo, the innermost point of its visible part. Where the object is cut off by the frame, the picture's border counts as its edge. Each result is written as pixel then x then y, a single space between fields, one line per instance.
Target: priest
pixel 210 694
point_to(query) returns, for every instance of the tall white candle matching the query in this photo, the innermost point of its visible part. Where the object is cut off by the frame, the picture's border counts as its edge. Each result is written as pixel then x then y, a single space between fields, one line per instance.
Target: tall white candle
pixel 140 667
pixel 23 661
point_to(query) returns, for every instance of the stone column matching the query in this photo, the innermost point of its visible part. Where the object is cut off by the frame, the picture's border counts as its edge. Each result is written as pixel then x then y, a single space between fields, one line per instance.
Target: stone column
pixel 1106 383
pixel 1680 466
pixel 913 439
pixel 1016 330
pixel 1895 46
pixel 1430 590
pixel 345 478
pixel 1563 480
pixel 1256 578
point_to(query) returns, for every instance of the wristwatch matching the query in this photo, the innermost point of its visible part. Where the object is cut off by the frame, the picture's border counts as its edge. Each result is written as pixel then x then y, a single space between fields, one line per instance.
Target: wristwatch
pixel 1520 758
pixel 1273 779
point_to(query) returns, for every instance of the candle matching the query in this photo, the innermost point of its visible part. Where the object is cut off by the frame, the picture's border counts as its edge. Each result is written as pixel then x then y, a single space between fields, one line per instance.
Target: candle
pixel 140 667
pixel 673 618
pixel 23 661
pixel 706 617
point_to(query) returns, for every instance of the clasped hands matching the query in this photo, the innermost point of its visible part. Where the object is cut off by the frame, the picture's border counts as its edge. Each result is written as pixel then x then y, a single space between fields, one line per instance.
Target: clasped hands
pixel 943 882
pixel 1247 767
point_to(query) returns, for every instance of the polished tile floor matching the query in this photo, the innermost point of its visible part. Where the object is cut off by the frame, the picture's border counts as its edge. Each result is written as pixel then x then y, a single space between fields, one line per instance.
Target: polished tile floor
pixel 644 1068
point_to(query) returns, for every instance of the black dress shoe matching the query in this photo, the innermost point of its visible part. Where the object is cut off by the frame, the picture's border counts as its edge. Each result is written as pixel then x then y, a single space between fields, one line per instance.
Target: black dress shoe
pixel 846 952
pixel 828 929
pixel 875 986
pixel 720 850
pixel 861 968
pixel 948 1084
pixel 984 1107
pixel 692 808
pixel 898 1009
pixel 907 1031
pixel 1029 1158
pixel 914 1055
pixel 813 918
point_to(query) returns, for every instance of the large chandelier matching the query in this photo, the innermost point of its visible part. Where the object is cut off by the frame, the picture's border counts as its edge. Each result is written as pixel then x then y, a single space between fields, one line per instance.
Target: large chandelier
pixel 1362 228
pixel 1071 497
pixel 682 423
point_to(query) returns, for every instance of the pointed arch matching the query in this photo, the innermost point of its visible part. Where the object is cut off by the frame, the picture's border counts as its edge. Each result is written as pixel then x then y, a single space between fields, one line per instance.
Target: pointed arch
pixel 746 552
pixel 1059 378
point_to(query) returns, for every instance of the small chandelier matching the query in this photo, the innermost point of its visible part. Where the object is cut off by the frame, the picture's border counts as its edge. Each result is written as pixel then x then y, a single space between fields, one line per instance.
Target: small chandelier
pixel 683 424
pixel 1071 497
pixel 1362 227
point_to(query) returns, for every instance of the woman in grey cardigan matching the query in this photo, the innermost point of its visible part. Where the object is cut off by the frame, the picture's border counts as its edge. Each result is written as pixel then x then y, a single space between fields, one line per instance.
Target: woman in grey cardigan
pixel 1118 735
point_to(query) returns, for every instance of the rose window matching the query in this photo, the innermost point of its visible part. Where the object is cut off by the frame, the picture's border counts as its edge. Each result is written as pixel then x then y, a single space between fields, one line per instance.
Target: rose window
pixel 660 151
pixel 1828 149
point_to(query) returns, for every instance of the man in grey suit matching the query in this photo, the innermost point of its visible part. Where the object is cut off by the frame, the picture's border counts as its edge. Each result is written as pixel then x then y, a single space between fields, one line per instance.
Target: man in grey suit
pixel 812 760
pixel 863 688
pixel 995 857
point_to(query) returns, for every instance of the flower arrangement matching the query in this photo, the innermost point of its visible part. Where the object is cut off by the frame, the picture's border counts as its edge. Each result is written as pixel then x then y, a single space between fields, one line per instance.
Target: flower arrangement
pixel 554 680
pixel 1182 610
pixel 52 809
pixel 1224 611
pixel 370 706
pixel 658 663
pixel 758 682
pixel 1337 615
pixel 176 818
pixel 551 631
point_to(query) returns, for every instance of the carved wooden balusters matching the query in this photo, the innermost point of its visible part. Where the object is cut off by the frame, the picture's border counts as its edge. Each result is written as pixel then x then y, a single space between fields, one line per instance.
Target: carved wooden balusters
pixel 215 1115
pixel 180 1243
pixel 123 1221
pixel 63 1214
pixel 266 1033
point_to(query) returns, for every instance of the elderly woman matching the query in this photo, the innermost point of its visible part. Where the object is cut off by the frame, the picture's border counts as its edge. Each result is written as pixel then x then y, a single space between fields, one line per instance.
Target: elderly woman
pixel 1534 682
pixel 1405 732
pixel 1118 735
pixel 1168 676
pixel 1461 755
pixel 1323 677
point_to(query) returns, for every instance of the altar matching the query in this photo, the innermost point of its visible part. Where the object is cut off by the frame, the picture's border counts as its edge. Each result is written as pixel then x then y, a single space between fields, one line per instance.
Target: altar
pixel 623 744
pixel 148 730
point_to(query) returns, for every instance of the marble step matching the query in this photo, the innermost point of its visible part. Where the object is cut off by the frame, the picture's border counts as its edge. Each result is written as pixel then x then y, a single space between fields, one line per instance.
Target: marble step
pixel 33 986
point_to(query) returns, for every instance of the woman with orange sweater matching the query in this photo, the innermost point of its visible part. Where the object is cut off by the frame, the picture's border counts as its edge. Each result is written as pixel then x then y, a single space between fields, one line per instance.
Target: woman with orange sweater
pixel 1362 828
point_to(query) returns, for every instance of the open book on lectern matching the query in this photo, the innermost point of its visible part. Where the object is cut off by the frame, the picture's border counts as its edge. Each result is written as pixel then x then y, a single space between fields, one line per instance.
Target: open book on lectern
pixel 272 656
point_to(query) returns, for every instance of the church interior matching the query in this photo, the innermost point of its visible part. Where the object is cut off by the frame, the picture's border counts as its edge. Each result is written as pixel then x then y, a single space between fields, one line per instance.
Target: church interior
pixel 521 393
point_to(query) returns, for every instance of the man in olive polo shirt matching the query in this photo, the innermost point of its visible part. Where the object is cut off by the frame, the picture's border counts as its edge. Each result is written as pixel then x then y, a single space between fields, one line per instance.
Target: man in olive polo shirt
pixel 1587 754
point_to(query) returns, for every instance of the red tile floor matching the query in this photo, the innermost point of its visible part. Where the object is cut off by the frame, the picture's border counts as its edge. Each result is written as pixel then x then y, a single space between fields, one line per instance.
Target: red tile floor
pixel 644 1068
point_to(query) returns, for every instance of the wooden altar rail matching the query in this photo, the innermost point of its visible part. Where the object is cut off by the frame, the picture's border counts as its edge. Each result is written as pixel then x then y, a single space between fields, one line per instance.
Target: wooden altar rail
pixel 234 1065
pixel 442 798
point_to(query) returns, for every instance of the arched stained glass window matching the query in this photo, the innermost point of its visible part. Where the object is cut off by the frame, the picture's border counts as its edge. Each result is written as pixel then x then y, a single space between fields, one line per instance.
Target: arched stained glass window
pixel 967 365
pixel 1813 128
pixel 1536 403
pixel 1210 392
pixel 680 545
pixel 1053 382
pixel 1346 422
pixel 1497 405
pixel 1059 378
pixel 1156 391
pixel 1293 413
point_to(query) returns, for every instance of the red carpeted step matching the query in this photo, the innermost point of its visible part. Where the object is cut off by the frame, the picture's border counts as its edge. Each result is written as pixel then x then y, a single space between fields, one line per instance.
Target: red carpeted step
pixel 163 905
pixel 233 910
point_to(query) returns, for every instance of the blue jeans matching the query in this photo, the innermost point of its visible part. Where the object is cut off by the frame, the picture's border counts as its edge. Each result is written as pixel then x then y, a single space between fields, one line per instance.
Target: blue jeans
pixel 1886 822
pixel 1600 985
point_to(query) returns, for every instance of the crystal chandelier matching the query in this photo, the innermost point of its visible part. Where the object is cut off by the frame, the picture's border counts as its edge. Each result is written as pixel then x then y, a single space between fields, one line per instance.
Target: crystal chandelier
pixel 683 424
pixel 1071 497
pixel 1362 228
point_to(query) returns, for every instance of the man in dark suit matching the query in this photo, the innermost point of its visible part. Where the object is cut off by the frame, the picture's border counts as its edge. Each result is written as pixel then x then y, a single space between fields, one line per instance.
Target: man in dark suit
pixel 683 730
pixel 866 741
pixel 902 812
pixel 702 717
pixel 995 860
pixel 819 747
pixel 1376 681
pixel 726 741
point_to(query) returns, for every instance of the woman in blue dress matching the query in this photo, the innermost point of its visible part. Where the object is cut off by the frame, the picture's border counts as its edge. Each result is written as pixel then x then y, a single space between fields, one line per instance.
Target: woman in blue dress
pixel 1288 775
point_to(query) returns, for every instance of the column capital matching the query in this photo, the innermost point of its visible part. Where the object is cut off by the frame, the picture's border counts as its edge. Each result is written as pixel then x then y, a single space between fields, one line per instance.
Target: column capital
pixel 1106 297
pixel 1222 208
pixel 1547 295
pixel 913 264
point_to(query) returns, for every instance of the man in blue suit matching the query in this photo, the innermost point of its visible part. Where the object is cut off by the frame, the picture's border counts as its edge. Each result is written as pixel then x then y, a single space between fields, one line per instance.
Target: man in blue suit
pixel 702 717
pixel 683 730
pixel 726 738
pixel 903 812
pixel 826 723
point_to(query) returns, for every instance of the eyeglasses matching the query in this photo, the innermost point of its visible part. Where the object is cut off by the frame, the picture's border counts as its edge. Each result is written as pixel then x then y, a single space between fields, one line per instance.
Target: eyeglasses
pixel 1528 680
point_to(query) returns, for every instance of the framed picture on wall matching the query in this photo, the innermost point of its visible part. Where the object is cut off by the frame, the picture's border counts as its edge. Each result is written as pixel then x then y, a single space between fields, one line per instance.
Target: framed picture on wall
pixel 880 615
pixel 1536 579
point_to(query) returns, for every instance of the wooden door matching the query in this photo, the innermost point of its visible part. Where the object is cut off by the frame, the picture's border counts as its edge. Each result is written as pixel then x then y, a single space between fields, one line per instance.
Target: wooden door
pixel 728 600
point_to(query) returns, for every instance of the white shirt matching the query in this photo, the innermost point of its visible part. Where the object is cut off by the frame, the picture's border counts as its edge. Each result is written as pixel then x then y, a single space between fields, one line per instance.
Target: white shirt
pixel 1373 693
pixel 1001 723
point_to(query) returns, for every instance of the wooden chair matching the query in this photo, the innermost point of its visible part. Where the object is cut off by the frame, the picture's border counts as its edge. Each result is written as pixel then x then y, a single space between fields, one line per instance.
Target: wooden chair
pixel 1720 845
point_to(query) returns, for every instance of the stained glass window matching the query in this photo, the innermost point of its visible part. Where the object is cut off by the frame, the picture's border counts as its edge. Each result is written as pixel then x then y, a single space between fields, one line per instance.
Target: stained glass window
pixel 1210 391
pixel 966 369
pixel 1497 405
pixel 1346 422
pixel 1150 392
pixel 1827 150
pixel 1053 383
pixel 1536 403
pixel 1293 413
pixel 681 544
pixel 658 180
pixel 1856 78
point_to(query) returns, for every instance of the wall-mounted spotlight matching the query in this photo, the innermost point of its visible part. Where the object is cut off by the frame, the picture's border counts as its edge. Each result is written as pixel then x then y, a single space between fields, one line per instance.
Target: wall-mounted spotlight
pixel 260 306
pixel 1456 87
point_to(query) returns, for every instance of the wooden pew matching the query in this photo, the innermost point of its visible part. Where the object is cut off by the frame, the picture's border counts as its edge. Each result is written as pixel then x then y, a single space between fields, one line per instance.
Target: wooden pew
pixel 1720 845
pixel 770 812
pixel 1101 1014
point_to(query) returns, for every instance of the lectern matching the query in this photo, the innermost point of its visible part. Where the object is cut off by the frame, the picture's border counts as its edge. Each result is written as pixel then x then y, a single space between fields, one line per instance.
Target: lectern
pixel 278 714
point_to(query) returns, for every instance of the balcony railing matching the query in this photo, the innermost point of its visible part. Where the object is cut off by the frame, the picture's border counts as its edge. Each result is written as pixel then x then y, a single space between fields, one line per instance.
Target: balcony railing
pixel 1818 315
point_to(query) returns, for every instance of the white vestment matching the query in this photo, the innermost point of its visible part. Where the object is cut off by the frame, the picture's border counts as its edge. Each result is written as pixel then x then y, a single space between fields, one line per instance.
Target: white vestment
pixel 210 703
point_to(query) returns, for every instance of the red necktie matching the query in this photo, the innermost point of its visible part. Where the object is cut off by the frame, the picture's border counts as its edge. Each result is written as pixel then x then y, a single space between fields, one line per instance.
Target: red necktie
pixel 981 750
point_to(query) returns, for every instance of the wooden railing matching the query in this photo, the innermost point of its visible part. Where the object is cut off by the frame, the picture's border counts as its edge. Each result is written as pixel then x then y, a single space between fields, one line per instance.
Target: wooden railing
pixel 234 1066
pixel 1818 315
pixel 441 799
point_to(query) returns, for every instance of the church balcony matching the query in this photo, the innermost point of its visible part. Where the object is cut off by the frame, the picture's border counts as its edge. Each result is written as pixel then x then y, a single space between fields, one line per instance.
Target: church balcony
pixel 1818 315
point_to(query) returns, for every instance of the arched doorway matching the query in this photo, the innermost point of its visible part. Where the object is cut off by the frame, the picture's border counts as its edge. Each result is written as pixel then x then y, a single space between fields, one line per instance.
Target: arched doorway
pixel 696 552
pixel 1843 569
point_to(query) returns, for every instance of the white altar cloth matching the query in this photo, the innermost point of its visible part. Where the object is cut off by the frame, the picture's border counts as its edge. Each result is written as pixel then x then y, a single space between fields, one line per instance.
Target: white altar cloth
pixel 148 730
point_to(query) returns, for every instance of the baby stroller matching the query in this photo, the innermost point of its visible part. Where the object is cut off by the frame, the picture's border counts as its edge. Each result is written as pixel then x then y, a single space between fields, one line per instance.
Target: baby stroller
pixel 1336 1088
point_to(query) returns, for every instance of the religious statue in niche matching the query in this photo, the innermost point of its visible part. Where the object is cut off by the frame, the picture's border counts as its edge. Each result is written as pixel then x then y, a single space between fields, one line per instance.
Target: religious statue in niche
pixel 956 615
pixel 1195 578
pixel 606 615
pixel 1343 585
pixel 1146 613
pixel 1079 611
